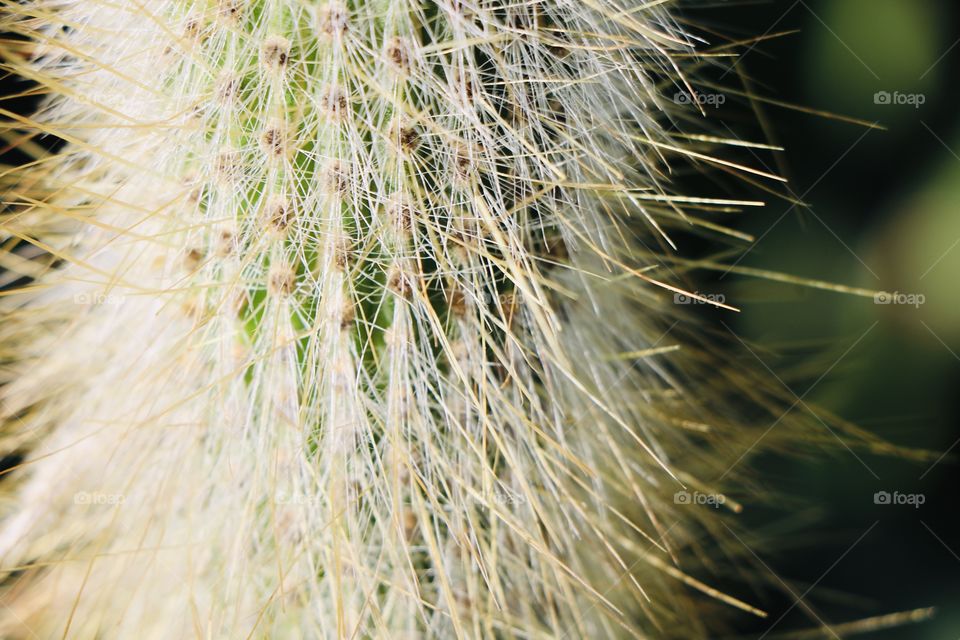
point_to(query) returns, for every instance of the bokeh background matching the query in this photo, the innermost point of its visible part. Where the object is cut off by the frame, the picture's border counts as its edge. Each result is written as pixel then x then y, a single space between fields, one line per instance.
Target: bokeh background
pixel 881 211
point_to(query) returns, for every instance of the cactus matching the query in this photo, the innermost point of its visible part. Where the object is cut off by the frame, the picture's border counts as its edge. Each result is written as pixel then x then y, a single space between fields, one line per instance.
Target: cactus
pixel 354 320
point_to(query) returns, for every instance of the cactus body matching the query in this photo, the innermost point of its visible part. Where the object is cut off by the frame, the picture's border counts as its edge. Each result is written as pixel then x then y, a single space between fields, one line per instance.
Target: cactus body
pixel 358 325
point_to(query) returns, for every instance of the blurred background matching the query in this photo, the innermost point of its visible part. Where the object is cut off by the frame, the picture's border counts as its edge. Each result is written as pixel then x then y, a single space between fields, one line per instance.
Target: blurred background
pixel 880 210
pixel 883 213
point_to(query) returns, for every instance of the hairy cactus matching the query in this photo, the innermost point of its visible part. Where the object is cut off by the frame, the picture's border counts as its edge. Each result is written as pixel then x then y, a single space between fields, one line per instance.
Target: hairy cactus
pixel 354 320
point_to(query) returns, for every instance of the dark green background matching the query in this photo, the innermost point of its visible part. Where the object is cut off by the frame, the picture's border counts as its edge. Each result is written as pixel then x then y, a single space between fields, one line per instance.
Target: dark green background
pixel 884 214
